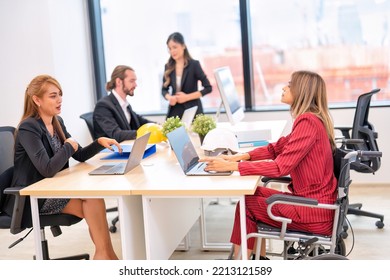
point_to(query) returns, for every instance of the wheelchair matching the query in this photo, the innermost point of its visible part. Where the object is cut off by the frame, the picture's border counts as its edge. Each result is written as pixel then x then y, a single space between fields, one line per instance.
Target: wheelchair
pixel 299 245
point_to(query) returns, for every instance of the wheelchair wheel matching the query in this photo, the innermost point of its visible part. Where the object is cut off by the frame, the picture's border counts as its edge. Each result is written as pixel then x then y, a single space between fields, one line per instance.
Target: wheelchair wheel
pixel 340 247
pixel 339 250
pixel 328 257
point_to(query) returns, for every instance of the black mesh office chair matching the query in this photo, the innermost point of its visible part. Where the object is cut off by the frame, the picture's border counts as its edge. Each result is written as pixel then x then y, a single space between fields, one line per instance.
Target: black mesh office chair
pixel 364 130
pixel 88 118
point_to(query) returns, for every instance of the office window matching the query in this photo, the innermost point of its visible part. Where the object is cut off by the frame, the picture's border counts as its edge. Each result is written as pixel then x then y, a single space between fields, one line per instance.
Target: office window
pixel 135 34
pixel 347 42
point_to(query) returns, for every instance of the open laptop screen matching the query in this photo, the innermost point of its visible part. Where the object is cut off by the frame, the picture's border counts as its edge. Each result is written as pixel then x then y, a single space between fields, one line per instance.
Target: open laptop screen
pixel 188 116
pixel 183 148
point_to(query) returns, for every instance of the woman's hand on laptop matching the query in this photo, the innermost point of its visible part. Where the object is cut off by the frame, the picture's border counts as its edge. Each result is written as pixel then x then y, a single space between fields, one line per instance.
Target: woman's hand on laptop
pixel 107 142
pixel 219 164
pixel 236 157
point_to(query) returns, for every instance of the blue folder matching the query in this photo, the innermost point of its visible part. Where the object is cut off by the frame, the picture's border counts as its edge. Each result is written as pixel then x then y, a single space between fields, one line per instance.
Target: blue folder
pixel 150 149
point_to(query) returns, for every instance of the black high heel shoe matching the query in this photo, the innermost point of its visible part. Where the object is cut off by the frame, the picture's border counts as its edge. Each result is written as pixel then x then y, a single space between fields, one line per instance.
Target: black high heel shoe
pixel 262 258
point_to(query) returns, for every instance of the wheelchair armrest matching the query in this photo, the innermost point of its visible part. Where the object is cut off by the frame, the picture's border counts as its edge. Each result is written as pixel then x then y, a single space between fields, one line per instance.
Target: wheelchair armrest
pixel 282 180
pixel 291 199
pixel 17 213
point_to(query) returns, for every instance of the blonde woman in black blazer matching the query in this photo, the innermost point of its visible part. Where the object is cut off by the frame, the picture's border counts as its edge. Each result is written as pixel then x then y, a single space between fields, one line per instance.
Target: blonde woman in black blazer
pixel 43 147
pixel 181 76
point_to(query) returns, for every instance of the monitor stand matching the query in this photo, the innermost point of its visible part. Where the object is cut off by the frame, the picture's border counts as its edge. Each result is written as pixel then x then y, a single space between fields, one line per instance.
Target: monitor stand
pixel 218 111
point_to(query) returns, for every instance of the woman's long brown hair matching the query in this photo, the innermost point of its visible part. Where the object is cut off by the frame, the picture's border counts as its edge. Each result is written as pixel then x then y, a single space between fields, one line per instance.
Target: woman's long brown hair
pixel 171 64
pixel 309 92
pixel 38 87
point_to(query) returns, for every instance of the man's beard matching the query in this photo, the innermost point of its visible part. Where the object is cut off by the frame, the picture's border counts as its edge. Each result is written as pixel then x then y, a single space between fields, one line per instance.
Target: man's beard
pixel 129 92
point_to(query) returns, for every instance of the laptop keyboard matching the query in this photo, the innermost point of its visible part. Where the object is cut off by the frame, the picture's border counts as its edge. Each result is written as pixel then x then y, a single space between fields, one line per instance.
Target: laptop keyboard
pixel 119 168
pixel 199 168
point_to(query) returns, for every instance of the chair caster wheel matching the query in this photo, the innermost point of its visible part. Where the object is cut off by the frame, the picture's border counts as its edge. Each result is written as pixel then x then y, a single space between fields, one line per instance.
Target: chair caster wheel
pixel 379 224
pixel 112 229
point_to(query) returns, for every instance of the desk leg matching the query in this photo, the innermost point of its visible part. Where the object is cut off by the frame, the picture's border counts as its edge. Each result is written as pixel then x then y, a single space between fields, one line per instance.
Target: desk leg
pixel 244 248
pixel 37 228
pixel 132 227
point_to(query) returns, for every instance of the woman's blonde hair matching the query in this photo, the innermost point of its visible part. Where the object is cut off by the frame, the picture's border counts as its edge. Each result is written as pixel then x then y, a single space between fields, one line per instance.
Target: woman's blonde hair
pixel 38 87
pixel 309 93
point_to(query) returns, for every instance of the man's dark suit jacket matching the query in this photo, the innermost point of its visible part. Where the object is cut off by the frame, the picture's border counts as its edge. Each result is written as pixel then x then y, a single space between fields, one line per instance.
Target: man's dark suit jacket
pixel 35 158
pixel 110 121
pixel 192 73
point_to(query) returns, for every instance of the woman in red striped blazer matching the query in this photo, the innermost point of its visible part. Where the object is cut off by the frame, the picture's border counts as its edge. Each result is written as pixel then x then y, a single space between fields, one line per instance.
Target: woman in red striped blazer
pixel 305 154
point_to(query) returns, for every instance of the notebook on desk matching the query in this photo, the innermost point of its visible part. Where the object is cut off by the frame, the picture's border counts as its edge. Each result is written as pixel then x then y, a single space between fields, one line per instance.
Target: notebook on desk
pixel 134 159
pixel 187 156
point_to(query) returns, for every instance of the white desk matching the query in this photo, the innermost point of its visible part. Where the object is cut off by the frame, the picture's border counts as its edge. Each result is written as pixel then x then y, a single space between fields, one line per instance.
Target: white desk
pixel 157 203
pixel 172 206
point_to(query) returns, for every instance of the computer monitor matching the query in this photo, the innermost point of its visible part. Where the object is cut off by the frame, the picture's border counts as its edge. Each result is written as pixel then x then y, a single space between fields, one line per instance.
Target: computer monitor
pixel 229 95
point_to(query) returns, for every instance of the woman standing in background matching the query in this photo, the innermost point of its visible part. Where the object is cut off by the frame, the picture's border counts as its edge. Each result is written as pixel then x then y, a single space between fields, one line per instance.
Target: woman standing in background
pixel 181 76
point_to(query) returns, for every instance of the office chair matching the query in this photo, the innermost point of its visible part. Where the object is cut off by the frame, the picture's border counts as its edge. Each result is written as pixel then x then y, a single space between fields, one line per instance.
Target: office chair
pixel 364 130
pixel 309 245
pixel 88 118
pixel 12 213
pixel 7 141
pixel 16 210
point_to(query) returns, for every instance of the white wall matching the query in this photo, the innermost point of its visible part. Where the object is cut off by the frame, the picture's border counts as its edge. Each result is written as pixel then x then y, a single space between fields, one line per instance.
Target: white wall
pixel 52 37
pixel 46 37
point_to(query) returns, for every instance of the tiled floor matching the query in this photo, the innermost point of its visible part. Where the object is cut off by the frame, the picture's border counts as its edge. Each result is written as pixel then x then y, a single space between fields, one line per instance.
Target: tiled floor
pixel 367 242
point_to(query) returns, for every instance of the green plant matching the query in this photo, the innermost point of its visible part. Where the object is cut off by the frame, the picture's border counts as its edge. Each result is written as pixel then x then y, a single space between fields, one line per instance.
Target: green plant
pixel 202 124
pixel 171 124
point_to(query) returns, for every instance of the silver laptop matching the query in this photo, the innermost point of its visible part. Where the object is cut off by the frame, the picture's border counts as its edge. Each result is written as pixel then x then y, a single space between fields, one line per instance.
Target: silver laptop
pixel 188 116
pixel 186 154
pixel 134 160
